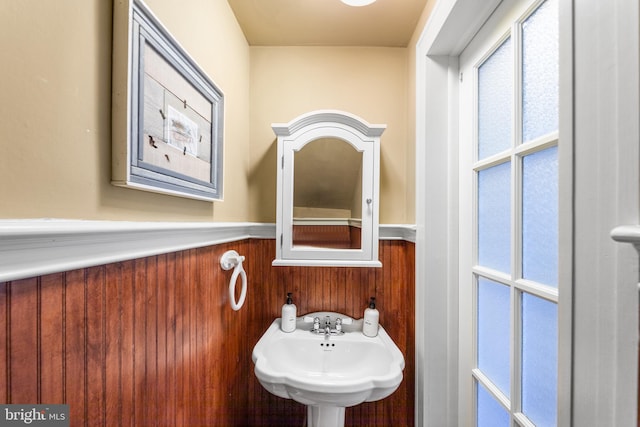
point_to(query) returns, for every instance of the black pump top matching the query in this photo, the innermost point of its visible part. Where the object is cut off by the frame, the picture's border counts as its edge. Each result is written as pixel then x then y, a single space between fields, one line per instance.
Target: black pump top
pixel 372 302
pixel 289 299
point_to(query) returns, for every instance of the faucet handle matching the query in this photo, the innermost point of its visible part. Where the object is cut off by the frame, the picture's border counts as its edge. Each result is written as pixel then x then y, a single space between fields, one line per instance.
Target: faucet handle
pixel 315 320
pixel 338 324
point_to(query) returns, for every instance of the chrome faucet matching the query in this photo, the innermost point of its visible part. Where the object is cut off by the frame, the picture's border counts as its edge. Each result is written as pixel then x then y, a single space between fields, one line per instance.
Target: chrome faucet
pixel 327 326
pixel 327 330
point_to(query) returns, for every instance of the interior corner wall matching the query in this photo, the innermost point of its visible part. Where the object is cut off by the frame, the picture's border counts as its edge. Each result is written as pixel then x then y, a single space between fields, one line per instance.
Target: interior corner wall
pixel 368 82
pixel 56 115
pixel 411 150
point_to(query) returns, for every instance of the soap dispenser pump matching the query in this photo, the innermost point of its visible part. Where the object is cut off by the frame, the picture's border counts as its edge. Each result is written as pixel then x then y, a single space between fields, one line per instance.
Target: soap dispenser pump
pixel 288 321
pixel 371 319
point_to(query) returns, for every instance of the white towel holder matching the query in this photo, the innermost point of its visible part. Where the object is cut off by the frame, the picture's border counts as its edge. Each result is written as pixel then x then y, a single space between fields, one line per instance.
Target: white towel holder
pixel 231 259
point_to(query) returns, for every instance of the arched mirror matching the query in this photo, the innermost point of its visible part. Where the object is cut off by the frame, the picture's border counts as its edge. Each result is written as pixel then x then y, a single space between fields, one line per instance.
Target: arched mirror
pixel 327 194
pixel 328 185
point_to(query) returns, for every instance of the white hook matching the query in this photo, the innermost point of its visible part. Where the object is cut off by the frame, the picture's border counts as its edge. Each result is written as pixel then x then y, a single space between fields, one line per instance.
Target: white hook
pixel 231 259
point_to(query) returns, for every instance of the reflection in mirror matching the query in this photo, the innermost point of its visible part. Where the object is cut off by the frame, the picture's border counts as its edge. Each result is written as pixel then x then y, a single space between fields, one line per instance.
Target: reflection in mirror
pixel 327 200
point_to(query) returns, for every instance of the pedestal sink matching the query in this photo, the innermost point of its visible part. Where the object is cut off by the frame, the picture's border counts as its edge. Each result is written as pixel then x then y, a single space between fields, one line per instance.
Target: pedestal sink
pixel 327 372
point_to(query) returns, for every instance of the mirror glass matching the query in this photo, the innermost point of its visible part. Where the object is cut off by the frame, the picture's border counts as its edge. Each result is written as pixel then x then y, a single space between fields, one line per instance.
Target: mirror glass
pixel 327 195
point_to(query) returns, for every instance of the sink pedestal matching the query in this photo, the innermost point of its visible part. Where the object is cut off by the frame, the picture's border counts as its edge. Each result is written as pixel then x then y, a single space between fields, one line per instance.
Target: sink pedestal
pixel 325 416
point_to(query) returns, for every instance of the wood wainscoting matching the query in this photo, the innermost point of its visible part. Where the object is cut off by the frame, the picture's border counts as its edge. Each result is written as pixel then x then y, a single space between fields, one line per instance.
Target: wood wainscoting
pixel 153 341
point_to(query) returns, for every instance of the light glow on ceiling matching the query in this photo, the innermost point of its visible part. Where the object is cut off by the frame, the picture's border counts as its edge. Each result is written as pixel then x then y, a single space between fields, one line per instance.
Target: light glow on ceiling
pixel 358 3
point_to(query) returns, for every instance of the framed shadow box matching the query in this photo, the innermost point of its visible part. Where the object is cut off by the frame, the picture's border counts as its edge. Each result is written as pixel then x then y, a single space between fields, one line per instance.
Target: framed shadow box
pixel 167 114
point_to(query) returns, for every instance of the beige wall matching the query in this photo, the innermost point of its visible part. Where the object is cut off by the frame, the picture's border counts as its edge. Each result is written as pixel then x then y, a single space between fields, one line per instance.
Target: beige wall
pixel 368 82
pixel 55 126
pixel 55 131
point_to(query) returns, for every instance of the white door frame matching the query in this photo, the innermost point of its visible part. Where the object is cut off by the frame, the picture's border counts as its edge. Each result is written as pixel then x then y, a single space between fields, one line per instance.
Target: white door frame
pixel 599 130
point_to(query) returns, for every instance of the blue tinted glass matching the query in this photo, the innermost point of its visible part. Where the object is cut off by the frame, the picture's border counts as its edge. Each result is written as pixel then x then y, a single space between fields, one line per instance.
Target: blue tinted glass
pixel 540 72
pixel 490 413
pixel 495 92
pixel 494 217
pixel 540 217
pixel 539 360
pixel 493 332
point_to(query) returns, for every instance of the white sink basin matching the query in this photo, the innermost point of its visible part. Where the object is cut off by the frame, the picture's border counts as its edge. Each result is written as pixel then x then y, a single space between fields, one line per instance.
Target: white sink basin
pixel 336 371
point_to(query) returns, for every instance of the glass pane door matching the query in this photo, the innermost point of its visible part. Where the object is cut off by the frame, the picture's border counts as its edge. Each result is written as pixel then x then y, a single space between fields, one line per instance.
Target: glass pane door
pixel 513 271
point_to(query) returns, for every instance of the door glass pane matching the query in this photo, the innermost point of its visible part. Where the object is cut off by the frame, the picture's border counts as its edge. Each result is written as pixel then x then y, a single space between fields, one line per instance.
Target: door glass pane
pixel 540 72
pixel 494 332
pixel 539 360
pixel 490 413
pixel 495 92
pixel 540 217
pixel 494 217
pixel 515 215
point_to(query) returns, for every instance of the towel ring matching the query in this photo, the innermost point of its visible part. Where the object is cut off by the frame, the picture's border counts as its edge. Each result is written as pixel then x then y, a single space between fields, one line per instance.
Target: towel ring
pixel 231 259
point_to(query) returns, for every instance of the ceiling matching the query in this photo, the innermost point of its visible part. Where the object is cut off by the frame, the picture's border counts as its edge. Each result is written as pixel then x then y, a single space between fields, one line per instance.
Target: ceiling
pixel 385 23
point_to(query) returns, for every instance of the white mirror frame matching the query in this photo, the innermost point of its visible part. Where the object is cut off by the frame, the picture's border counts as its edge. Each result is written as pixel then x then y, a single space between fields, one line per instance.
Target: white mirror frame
pixel 365 138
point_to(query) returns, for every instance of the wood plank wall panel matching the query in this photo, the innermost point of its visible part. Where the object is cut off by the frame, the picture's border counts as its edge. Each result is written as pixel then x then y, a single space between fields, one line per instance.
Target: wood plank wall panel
pixel 51 351
pixel 153 341
pixel 345 290
pixel 4 328
pixel 23 342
